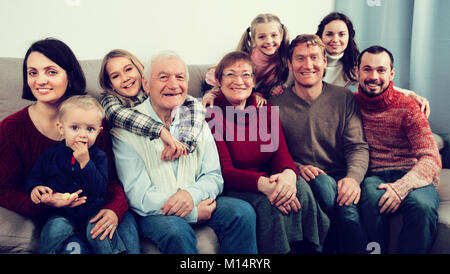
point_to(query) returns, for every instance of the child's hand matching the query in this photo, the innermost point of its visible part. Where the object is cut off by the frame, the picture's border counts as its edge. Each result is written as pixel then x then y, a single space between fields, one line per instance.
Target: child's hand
pixel 38 192
pixel 260 100
pixel 173 149
pixel 81 153
pixel 277 90
pixel 210 95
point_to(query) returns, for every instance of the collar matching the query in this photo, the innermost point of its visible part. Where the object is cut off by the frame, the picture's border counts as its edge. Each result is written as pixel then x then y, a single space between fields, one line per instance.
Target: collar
pixel 154 116
pixel 332 60
pixel 382 101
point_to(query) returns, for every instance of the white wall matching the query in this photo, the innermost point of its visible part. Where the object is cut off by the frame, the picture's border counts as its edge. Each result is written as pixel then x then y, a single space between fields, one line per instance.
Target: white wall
pixel 201 31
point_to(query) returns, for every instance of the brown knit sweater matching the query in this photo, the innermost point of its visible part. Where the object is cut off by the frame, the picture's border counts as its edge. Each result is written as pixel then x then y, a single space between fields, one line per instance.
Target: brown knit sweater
pixel 400 138
pixel 326 133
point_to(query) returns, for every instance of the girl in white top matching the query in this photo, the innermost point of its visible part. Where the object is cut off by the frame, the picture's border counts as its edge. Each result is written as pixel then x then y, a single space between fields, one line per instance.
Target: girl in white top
pixel 337 33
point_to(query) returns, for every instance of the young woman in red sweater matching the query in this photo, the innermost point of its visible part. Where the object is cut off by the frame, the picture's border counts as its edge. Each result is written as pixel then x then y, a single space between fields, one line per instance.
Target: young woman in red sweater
pixel 256 164
pixel 52 73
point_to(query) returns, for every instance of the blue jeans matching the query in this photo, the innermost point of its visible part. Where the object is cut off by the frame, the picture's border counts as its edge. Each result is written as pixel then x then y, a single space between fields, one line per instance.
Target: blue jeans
pixel 346 233
pixel 419 210
pixel 60 235
pixel 233 221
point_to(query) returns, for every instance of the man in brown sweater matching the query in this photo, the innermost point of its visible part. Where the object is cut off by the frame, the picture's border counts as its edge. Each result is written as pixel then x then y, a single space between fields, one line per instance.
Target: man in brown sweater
pixel 324 134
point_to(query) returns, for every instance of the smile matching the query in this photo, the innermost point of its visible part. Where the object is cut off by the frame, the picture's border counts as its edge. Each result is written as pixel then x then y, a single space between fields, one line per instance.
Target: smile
pixel 43 90
pixel 307 73
pixel 130 85
pixel 173 94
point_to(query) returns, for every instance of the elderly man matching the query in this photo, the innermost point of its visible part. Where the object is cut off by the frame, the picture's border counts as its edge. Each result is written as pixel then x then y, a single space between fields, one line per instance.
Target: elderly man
pixel 404 159
pixel 325 137
pixel 170 196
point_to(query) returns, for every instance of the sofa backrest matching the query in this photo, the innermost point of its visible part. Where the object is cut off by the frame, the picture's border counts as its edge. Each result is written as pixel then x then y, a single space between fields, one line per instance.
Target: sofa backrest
pixel 11 82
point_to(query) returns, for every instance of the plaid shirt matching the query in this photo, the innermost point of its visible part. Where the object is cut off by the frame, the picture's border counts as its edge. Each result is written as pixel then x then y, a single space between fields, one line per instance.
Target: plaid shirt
pixel 192 115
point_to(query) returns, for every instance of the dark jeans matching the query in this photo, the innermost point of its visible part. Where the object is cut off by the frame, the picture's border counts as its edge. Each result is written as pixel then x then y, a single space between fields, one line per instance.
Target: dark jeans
pixel 346 233
pixel 60 235
pixel 419 210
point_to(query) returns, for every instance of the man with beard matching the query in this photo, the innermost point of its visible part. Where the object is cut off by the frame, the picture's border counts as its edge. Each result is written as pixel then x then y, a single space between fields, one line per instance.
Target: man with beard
pixel 404 159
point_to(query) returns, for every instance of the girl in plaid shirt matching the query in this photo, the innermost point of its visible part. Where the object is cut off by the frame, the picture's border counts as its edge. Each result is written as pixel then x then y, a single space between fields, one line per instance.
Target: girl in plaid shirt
pixel 121 78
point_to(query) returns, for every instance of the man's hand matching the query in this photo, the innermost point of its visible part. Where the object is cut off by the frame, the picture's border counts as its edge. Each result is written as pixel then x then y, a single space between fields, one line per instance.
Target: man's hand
pixel 205 209
pixel 173 149
pixel 309 172
pixel 349 191
pixel 390 201
pixel 179 204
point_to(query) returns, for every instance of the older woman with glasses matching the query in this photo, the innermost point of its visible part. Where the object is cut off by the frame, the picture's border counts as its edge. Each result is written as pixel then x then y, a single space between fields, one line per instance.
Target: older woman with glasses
pixel 256 164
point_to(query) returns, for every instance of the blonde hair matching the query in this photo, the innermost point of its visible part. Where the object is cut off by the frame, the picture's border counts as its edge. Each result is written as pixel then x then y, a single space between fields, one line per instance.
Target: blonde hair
pixel 248 37
pixel 85 102
pixel 247 43
pixel 103 77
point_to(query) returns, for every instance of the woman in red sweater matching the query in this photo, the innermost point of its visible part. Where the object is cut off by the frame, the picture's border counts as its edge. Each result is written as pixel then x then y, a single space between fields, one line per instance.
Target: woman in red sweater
pixel 51 73
pixel 256 164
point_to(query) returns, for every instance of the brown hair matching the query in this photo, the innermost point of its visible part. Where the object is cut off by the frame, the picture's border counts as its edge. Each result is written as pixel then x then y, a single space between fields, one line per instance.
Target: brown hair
pixel 230 59
pixel 310 40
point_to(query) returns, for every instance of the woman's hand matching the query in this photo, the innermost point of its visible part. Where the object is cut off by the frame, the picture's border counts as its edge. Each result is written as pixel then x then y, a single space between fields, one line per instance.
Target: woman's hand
pixel 107 222
pixel 285 189
pixel 268 188
pixel 422 102
pixel 57 199
pixel 210 96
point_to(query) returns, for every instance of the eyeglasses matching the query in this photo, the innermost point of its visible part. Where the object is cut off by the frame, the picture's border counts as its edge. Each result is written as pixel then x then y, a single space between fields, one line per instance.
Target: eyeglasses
pixel 233 76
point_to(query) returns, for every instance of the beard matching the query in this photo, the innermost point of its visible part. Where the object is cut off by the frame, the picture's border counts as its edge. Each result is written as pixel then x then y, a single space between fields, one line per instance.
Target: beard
pixel 372 94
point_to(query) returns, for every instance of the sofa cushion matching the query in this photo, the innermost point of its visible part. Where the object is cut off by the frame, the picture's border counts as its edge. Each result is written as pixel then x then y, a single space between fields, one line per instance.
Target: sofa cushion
pixel 18 234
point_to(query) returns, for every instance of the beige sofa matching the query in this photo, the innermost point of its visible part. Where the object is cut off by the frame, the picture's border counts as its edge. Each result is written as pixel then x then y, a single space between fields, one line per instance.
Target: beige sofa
pixel 19 234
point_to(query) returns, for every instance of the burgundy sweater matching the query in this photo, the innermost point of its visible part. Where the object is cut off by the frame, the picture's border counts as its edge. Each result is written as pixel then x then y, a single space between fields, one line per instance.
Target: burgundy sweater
pixel 399 138
pixel 21 144
pixel 243 160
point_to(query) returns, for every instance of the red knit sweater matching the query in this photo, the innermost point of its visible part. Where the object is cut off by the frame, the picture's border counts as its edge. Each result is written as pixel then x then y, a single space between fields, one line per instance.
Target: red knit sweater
pixel 21 144
pixel 399 138
pixel 242 161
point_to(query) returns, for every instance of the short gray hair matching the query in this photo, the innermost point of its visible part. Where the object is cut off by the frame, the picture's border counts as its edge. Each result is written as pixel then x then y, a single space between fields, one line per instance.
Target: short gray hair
pixel 163 55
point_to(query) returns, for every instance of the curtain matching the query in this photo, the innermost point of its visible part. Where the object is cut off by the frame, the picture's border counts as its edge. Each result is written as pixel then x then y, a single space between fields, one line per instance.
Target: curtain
pixel 417 32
